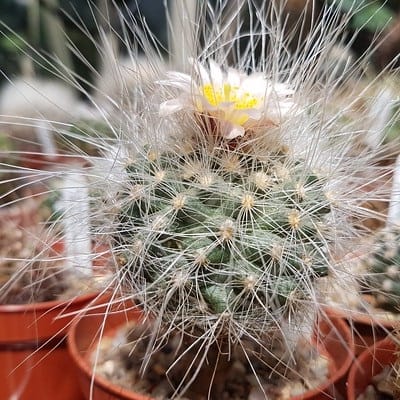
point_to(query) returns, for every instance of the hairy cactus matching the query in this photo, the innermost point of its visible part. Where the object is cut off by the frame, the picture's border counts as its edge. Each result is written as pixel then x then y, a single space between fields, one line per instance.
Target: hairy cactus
pixel 382 270
pixel 226 192
pixel 223 233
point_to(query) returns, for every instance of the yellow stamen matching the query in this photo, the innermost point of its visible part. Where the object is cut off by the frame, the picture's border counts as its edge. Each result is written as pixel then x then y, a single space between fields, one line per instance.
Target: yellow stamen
pixel 229 94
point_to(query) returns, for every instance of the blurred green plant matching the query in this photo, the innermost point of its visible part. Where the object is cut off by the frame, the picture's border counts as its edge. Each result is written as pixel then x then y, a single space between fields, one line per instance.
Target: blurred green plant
pixel 370 15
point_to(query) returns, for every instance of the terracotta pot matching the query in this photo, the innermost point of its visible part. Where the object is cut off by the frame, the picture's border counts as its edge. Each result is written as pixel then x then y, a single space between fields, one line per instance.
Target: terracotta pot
pixel 334 339
pixel 34 360
pixel 39 161
pixel 370 363
pixel 35 363
pixel 366 329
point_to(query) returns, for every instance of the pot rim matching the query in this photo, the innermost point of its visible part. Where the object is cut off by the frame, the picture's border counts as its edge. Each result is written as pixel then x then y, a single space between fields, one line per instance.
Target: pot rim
pixel 386 344
pixel 361 317
pixel 47 305
pixel 338 323
pixel 103 383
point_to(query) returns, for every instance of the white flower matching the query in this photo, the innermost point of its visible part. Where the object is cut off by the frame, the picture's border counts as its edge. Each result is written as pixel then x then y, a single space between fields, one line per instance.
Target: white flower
pixel 238 102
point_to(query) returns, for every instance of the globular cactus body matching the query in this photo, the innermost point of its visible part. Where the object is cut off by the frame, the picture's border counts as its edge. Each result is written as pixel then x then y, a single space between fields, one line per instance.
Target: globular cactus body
pixel 215 239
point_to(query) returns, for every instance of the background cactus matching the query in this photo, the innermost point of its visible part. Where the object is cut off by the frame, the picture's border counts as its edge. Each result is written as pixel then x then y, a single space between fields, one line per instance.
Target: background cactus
pixel 382 270
pixel 31 270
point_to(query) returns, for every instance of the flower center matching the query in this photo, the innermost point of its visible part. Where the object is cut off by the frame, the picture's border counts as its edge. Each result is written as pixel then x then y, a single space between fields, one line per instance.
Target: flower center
pixel 229 94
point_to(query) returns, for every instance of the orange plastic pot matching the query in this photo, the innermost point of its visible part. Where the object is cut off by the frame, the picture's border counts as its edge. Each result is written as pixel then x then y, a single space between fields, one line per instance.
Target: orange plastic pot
pixel 333 339
pixel 368 364
pixel 35 363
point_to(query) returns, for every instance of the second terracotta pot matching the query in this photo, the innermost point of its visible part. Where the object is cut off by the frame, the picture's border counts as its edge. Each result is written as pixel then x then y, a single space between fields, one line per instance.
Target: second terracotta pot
pixel 371 362
pixel 366 329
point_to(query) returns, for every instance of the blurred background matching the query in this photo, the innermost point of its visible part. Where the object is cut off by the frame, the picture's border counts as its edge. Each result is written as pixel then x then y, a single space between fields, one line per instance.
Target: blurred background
pixel 39 23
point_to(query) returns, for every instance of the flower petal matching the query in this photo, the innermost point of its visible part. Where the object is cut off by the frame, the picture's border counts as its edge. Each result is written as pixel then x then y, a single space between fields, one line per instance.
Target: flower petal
pixel 255 84
pixel 231 131
pixel 204 75
pixel 216 75
pixel 171 106
pixel 233 77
